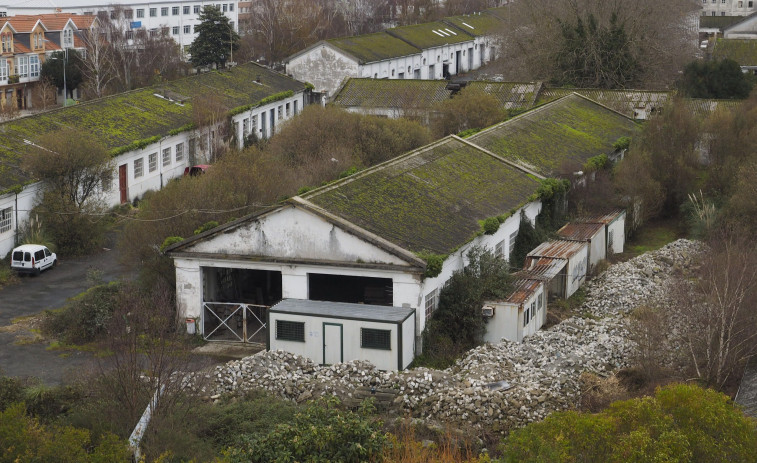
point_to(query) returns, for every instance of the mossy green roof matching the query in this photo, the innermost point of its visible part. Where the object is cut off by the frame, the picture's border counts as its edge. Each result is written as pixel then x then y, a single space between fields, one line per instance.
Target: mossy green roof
pixel 431 199
pixel 511 95
pixel 560 135
pixel 743 51
pixel 627 102
pixel 119 120
pixel 718 22
pixel 430 35
pixel 374 47
pixel 391 93
pixel 477 24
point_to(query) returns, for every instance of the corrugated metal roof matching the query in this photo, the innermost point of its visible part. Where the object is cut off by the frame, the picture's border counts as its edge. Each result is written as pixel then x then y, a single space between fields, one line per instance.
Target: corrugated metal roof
pixel 543 268
pixel 377 313
pixel 580 231
pixel 559 249
pixel 605 218
pixel 524 289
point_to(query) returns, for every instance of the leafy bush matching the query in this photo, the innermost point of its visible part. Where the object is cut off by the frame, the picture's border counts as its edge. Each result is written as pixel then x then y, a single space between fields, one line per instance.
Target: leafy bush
pixel 321 433
pixel 85 317
pixel 595 163
pixel 621 143
pixel 681 423
pixel 11 390
pixel 171 240
pixel 528 238
pixel 491 225
pixel 205 227
pixel 434 264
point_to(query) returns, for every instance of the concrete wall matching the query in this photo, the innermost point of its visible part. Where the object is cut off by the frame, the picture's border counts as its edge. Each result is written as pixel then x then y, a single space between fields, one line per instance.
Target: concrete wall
pixel 577 268
pixel 597 249
pixel 252 121
pixel 20 205
pixel 618 230
pixel 323 66
pixel 507 322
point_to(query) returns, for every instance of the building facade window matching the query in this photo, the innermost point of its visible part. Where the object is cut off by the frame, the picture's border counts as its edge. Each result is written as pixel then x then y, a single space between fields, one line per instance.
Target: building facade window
pixel 68 38
pixel 3 69
pixel 513 235
pixel 152 162
pixel 175 11
pixel 371 338
pixel 185 10
pixel 231 7
pixel 22 66
pixel 7 43
pixel 179 152
pixel 139 167
pixel 140 13
pixel 128 14
pixel 164 11
pixel 6 219
pixel 225 8
pixel 290 331
pixel 196 9
pixel 166 156
pixel 34 66
pixel 153 12
pixel 432 302
pixel 187 29
pixel 499 249
pixel 175 30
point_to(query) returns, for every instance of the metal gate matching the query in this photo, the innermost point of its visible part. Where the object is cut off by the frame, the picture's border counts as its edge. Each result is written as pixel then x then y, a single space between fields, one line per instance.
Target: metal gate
pixel 236 322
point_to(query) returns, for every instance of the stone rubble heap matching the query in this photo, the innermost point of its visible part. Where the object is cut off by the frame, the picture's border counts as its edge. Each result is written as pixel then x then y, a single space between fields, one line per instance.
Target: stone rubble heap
pixel 543 371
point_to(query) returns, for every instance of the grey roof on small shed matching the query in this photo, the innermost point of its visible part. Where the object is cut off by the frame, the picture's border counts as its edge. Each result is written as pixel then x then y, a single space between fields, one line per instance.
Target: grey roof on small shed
pixel 326 309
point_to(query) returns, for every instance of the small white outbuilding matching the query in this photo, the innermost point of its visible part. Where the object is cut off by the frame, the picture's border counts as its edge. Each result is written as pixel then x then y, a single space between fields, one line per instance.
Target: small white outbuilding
pixel 335 332
pixel 591 233
pixel 615 229
pixel 561 264
pixel 523 313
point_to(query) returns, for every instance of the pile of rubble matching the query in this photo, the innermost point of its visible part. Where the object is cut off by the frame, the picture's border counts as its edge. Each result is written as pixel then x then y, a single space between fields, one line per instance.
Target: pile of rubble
pixel 542 373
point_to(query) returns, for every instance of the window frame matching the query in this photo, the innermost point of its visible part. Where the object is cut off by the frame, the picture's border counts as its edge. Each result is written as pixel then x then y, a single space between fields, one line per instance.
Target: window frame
pixel 166 157
pixel 152 162
pixel 6 219
pixel 139 167
pixel 294 333
pixel 379 339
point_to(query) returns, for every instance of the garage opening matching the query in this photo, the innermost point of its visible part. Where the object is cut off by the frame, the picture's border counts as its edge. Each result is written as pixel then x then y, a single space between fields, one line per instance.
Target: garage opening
pixel 236 302
pixel 344 288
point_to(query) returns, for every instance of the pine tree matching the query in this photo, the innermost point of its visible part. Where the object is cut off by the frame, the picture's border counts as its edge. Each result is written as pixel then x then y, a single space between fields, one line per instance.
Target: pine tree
pixel 216 39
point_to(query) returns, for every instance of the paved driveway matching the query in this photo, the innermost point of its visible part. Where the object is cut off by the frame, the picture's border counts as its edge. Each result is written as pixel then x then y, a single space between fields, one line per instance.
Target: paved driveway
pixel 50 290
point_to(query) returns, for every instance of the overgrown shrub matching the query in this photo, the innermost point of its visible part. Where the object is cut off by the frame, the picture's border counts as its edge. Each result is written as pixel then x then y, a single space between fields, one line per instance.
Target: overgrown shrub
pixel 322 432
pixel 528 238
pixel 85 317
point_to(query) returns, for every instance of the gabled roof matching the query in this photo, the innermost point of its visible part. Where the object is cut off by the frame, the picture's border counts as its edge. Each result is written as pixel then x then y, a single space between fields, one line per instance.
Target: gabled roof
pixel 477 24
pixel 369 312
pixel 543 268
pixel 120 120
pixel 580 231
pixel 603 218
pixel 718 22
pixel 562 134
pixel 391 93
pixel 372 47
pixel 742 20
pixel 523 289
pixel 428 200
pixel 557 249
pixel 743 51
pixel 430 35
pixel 511 95
pixel 705 107
pixel 627 102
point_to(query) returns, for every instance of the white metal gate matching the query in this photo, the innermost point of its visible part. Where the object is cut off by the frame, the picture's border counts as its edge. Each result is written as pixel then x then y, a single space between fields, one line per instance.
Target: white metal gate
pixel 236 322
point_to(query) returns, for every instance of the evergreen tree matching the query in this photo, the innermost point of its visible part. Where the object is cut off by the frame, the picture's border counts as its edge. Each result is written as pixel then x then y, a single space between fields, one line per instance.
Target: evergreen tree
pixel 528 238
pixel 216 39
pixel 715 79
pixel 52 69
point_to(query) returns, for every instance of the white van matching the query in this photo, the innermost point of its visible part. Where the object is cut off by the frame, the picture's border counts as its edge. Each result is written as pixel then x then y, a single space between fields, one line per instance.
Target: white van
pixel 32 258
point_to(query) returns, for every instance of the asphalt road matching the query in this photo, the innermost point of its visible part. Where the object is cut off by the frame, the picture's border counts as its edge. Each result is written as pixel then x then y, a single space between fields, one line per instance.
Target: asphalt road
pixel 50 290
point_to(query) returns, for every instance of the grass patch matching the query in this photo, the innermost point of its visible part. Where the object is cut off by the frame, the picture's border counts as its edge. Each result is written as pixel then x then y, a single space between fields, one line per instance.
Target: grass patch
pixel 653 236
pixel 7 276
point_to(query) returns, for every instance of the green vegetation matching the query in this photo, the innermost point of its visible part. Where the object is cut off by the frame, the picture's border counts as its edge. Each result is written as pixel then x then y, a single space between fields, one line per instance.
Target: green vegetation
pixel 491 225
pixel 457 324
pixel 374 47
pixel 434 263
pixel 85 317
pixel 472 109
pixel 596 163
pixel 621 143
pixel 204 227
pixel 715 79
pixel 680 423
pixel 269 99
pixel 321 432
pixel 171 240
pixel 215 38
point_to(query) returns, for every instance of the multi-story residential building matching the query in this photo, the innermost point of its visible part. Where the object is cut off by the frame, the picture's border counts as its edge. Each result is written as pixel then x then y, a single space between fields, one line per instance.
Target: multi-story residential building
pixel 178 17
pixel 728 7
pixel 26 41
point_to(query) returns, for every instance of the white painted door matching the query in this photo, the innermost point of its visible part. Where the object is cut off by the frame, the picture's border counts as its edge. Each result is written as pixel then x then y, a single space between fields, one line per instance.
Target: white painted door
pixel 333 351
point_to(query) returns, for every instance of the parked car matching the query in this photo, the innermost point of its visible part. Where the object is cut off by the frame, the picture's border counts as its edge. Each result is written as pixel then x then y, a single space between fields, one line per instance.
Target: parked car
pixel 196 170
pixel 32 258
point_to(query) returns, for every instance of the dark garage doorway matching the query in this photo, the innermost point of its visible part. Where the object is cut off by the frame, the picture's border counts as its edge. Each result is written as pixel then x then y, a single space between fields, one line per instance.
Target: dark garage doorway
pixel 344 288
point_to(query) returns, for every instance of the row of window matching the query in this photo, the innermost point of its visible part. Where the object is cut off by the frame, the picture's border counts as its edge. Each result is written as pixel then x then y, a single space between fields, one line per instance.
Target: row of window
pixel 26 66
pixel 152 160
pixel 739 4
pixel 286 110
pixel 370 338
pixel 6 219
pixel 533 310
pixel 153 12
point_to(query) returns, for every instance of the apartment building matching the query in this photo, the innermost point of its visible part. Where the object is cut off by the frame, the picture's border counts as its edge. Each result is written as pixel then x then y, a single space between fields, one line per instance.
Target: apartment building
pixel 728 7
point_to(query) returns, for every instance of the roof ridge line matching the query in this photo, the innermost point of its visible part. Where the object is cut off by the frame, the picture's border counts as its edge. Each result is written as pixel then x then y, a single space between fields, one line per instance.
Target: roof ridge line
pixel 500 158
pixel 598 103
pixel 357 230
pixel 523 114
pixel 363 173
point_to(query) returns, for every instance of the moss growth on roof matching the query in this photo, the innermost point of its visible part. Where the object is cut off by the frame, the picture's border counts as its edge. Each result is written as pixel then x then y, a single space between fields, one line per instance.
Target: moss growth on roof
pixel 429 201
pixel 628 102
pixel 374 47
pixel 135 119
pixel 743 51
pixel 561 135
pixel 718 22
pixel 511 95
pixel 392 93
pixel 477 24
pixel 424 35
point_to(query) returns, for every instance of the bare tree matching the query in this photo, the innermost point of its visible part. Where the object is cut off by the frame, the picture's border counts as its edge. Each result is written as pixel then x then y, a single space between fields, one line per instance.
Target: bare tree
pixel 211 123
pixel 98 65
pixel 44 94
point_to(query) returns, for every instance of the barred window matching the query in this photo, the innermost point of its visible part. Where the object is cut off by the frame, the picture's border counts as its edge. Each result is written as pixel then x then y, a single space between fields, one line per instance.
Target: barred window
pixel 6 219
pixel 499 249
pixel 371 338
pixel 513 235
pixel 152 162
pixel 166 156
pixel 290 331
pixel 432 302
pixel 179 152
pixel 139 167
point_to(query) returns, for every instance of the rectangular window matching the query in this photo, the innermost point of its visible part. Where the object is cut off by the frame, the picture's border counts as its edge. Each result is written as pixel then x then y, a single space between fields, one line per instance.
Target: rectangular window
pixel 153 12
pixel 187 29
pixel 371 338
pixel 114 14
pixel 106 182
pixel 175 30
pixel 526 316
pixel 3 69
pixel 288 108
pixel 245 127
pixel 196 9
pixel 231 7
pixel 139 166
pixel 22 66
pixel 610 237
pixel 432 302
pixel 295 107
pixel 152 162
pixel 164 11
pixel 290 331
pixel 541 301
pixel 34 66
pixel 185 10
pixel 179 152
pixel 128 14
pixel 225 7
pixel 499 249
pixel 166 157
pixel 279 112
pixel 513 235
pixel 750 4
pixel 175 11
pixel 6 219
pixel 140 12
